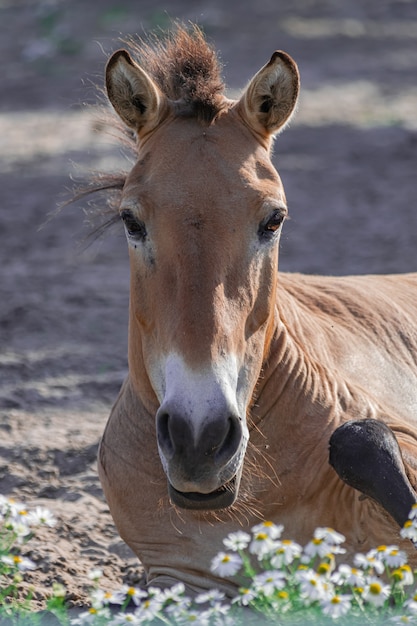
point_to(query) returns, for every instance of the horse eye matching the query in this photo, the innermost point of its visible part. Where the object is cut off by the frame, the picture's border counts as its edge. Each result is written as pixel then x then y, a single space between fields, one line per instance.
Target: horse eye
pixel 134 228
pixel 268 227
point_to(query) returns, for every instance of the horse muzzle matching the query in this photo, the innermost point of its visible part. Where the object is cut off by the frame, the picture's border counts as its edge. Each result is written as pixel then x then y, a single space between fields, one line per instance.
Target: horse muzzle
pixel 203 464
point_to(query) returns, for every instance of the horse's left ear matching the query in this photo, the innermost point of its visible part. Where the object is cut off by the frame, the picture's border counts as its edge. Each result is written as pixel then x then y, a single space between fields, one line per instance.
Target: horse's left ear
pixel 134 95
pixel 271 96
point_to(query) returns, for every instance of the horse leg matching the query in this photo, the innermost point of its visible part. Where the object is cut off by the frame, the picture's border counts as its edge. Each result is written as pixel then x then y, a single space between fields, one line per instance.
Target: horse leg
pixel 366 455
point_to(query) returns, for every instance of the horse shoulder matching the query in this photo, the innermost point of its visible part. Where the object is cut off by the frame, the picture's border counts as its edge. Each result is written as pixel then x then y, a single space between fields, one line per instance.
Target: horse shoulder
pixel 361 330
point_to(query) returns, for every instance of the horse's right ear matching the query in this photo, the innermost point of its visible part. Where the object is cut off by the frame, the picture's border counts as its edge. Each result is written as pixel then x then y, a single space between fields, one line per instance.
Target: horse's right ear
pixel 271 96
pixel 133 94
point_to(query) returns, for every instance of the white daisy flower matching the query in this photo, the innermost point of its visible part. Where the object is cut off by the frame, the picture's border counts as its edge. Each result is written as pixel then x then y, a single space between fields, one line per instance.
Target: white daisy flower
pixel 22 563
pixel 329 535
pixel 134 594
pixel 95 574
pixel 148 609
pixel 325 541
pixel 87 617
pixel 100 598
pixel 409 530
pixel 403 575
pixel 336 605
pixel 4 504
pixel 16 509
pixel 312 586
pixel 262 545
pixel 212 596
pixel 348 575
pixel 376 592
pixel 368 561
pixel 316 547
pixel 125 619
pixel 402 619
pixel 411 604
pixel 20 529
pixel 269 582
pixel 226 564
pixel 395 557
pixel 41 517
pixel 245 597
pixel 285 552
pixel 191 616
pixel 413 513
pixel 237 541
pixel 175 594
pixel 219 613
pixel 273 531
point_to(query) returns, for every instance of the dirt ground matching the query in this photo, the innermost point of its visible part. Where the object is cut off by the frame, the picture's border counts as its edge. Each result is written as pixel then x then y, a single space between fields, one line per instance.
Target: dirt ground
pixel 348 163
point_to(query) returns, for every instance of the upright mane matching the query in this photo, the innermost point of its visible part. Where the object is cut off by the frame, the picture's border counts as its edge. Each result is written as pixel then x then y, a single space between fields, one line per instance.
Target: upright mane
pixel 186 69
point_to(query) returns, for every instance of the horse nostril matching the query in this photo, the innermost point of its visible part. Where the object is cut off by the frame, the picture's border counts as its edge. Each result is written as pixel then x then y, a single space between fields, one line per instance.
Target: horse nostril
pixel 164 436
pixel 231 441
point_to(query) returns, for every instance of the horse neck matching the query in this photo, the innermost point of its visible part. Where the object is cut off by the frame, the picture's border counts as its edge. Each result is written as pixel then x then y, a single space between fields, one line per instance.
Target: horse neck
pixel 294 379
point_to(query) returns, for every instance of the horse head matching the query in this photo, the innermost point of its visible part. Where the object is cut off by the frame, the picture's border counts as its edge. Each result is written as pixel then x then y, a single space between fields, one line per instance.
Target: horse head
pixel 202 209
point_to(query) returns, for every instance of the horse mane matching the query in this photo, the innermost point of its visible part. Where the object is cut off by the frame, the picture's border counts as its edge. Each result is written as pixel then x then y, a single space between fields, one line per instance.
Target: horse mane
pixel 187 70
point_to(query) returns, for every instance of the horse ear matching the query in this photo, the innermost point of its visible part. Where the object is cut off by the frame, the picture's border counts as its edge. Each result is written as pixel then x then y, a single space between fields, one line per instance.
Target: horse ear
pixel 271 96
pixel 133 94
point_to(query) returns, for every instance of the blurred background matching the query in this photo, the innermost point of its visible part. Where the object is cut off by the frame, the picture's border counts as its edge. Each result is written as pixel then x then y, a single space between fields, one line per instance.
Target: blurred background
pixel 348 163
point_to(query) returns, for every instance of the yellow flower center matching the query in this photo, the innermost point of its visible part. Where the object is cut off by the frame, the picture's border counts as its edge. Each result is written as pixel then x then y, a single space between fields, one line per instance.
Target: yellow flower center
pixel 130 591
pixel 375 589
pixel 261 537
pixel 226 558
pixel 397 574
pixel 335 600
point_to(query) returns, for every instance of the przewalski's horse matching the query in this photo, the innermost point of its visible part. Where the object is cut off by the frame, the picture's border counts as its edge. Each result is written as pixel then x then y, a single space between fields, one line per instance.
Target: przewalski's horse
pixel 240 379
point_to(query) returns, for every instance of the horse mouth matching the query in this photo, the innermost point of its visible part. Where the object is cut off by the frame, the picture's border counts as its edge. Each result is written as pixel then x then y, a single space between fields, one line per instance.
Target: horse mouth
pixel 221 498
